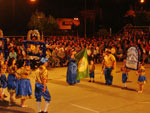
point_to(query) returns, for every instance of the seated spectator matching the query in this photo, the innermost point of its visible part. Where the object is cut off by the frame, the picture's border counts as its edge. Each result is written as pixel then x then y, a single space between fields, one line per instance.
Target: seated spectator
pixel 55 58
pixel 13 54
pixel 61 56
pixel 20 57
pixel 49 57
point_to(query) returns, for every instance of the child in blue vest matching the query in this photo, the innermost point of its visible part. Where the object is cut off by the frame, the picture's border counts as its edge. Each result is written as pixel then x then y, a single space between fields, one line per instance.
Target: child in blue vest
pixel 41 85
pixel 91 70
pixel 124 71
pixel 141 78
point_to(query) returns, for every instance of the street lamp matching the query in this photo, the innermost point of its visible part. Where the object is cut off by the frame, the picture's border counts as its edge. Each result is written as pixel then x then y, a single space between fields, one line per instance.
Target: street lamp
pixel 85 19
pixel 142 4
pixel 13 11
pixel 32 1
pixel 76 23
pixel 142 1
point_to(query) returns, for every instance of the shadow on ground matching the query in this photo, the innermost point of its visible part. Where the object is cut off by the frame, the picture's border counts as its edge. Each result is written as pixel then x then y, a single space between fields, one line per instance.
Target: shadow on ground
pixel 13 108
pixel 64 83
pixel 114 86
pixel 57 82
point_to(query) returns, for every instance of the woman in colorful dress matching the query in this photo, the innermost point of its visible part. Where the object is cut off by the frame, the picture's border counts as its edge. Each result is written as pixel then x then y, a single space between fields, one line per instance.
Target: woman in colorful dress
pixel 24 89
pixel 3 80
pixel 12 79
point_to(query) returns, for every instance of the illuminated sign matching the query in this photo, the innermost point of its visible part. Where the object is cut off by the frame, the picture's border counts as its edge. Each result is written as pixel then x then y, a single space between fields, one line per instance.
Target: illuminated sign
pixel 66 23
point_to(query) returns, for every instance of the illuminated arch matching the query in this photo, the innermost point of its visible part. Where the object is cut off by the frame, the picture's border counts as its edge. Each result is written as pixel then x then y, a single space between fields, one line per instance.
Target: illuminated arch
pixel 31 32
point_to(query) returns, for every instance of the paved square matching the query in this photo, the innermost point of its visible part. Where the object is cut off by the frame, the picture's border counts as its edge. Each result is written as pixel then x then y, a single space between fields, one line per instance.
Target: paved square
pixel 88 97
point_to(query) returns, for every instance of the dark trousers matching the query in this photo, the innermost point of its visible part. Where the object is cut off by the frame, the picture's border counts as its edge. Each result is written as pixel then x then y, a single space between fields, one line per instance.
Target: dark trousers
pixel 108 76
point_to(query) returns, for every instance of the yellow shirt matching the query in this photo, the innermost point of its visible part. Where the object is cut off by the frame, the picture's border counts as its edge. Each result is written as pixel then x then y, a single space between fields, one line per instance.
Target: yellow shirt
pixel 91 68
pixel 41 75
pixel 24 72
pixel 3 69
pixel 109 61
pixel 141 71
pixel 12 69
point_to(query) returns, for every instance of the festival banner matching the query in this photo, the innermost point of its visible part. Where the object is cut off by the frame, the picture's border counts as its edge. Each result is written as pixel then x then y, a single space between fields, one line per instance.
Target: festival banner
pixel 83 65
pixel 132 60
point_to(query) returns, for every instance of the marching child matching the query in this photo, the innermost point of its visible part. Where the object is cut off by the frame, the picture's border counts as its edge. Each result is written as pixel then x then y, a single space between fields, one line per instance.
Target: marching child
pixel 24 89
pixel 91 70
pixel 12 79
pixel 3 80
pixel 141 78
pixel 124 71
pixel 41 87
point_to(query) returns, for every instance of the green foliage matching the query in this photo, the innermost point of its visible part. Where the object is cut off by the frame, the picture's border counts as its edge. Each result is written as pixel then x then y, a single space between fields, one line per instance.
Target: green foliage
pixel 45 24
pixel 51 23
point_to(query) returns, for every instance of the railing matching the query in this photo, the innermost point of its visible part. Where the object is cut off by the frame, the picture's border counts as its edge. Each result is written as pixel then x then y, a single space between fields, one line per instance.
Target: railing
pixel 129 27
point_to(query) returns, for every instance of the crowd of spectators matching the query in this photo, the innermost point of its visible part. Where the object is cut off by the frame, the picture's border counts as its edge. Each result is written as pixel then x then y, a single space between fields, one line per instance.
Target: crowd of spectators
pixel 58 49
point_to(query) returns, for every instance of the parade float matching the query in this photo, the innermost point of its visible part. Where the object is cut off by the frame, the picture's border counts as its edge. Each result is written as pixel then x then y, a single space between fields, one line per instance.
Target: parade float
pixel 35 48
pixel 3 46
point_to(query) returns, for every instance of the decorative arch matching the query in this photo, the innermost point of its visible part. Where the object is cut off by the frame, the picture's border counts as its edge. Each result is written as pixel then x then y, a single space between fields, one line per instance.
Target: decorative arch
pixel 1 34
pixel 32 32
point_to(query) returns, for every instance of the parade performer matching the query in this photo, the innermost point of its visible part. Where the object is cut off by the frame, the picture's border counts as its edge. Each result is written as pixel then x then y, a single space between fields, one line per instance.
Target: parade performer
pixel 72 70
pixel 3 80
pixel 41 85
pixel 124 71
pixel 108 65
pixel 141 77
pixel 12 79
pixel 24 89
pixel 91 69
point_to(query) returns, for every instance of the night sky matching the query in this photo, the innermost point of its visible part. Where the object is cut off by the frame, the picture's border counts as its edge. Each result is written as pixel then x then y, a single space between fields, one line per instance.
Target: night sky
pixel 14 16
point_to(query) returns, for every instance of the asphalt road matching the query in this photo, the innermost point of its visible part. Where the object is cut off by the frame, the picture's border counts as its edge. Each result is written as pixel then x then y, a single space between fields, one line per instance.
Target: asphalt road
pixel 88 97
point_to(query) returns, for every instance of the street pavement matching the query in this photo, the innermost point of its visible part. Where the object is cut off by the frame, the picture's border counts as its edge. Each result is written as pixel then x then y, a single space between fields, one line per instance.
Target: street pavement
pixel 89 97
